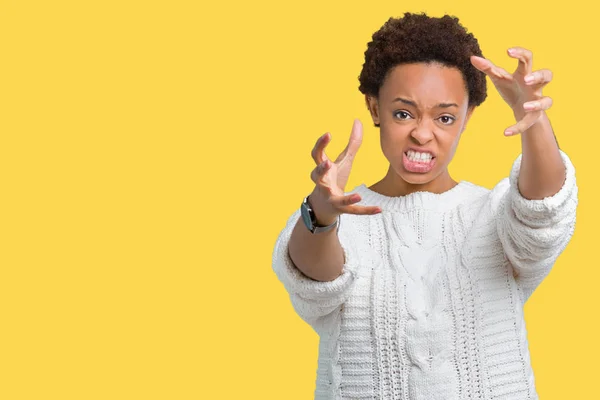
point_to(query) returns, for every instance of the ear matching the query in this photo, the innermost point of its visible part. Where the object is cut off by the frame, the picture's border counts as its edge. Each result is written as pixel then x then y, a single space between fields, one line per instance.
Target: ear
pixel 373 106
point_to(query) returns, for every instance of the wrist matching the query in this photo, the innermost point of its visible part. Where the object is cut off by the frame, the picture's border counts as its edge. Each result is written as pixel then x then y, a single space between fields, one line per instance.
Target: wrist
pixel 325 221
pixel 321 218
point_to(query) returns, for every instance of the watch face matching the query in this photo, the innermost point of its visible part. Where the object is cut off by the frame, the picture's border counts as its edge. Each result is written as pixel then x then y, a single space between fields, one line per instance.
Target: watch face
pixel 306 216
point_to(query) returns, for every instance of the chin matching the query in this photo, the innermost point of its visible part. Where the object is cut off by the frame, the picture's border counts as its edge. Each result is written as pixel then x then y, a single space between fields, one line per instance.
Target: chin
pixel 417 178
pixel 420 179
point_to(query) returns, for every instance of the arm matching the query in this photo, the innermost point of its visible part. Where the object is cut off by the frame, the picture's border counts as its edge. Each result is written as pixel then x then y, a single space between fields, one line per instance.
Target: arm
pixel 542 171
pixel 313 299
pixel 539 219
pixel 318 256
pixel 534 232
pixel 326 263
pixel 535 209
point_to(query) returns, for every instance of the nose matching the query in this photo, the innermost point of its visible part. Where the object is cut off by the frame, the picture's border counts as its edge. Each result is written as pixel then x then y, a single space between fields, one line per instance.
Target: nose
pixel 422 133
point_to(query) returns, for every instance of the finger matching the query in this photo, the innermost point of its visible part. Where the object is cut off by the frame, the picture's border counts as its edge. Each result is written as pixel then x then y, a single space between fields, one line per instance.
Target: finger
pixel 341 202
pixel 525 58
pixel 318 153
pixel 354 143
pixel 319 171
pixel 345 205
pixel 489 68
pixel 362 210
pixel 538 105
pixel 529 119
pixel 538 79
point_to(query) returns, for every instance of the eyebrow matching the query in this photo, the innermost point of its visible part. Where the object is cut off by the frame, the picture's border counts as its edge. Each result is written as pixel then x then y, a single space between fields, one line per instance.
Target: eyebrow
pixel 412 103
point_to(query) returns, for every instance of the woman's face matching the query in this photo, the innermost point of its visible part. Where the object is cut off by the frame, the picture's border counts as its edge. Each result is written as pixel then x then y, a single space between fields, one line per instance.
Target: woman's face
pixel 422 110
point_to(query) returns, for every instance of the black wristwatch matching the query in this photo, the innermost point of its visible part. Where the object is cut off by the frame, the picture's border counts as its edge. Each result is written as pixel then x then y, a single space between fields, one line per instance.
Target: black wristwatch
pixel 310 220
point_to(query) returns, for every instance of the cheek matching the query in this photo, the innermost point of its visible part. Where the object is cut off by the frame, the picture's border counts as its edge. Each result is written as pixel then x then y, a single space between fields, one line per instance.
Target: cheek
pixel 394 134
pixel 392 143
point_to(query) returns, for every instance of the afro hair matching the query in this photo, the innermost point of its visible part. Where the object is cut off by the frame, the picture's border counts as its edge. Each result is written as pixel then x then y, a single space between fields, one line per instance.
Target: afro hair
pixel 416 38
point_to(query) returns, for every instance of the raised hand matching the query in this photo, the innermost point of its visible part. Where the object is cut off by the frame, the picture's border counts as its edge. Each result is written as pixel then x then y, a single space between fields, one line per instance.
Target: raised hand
pixel 521 90
pixel 327 199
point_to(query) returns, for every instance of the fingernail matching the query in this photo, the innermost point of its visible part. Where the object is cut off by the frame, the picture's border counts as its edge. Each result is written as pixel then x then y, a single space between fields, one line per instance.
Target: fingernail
pixel 529 78
pixel 508 132
pixel 511 50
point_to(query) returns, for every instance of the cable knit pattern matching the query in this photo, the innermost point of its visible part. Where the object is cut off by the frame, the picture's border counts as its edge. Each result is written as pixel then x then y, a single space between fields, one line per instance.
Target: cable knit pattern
pixel 522 222
pixel 429 304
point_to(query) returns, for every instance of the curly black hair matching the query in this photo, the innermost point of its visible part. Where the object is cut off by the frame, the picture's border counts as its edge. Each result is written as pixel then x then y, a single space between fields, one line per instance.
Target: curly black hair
pixel 421 38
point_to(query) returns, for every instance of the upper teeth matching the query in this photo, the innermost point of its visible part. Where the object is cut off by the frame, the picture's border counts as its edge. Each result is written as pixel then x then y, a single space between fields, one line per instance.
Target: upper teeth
pixel 416 156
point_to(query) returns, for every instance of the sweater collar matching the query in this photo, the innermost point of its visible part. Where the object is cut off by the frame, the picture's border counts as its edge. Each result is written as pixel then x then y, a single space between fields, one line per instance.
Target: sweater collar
pixel 416 200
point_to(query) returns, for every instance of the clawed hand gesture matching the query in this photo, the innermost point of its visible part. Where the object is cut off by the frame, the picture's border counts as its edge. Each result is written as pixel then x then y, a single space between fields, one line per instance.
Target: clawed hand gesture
pixel 330 177
pixel 522 90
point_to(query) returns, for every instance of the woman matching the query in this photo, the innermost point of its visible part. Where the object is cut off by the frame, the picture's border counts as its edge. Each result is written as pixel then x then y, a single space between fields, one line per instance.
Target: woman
pixel 418 291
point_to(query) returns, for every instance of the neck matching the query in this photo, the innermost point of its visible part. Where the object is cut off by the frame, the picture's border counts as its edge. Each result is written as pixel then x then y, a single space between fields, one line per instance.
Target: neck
pixel 393 185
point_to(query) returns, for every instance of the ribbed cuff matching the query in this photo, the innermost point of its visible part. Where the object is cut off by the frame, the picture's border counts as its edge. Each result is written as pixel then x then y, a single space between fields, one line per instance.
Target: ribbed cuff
pixel 549 205
pixel 298 283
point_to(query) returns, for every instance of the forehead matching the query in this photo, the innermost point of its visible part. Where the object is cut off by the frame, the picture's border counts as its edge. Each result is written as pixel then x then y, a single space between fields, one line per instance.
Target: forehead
pixel 425 83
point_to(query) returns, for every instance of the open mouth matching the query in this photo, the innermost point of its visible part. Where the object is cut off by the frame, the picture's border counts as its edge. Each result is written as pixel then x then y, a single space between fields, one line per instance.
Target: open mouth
pixel 420 163
pixel 416 157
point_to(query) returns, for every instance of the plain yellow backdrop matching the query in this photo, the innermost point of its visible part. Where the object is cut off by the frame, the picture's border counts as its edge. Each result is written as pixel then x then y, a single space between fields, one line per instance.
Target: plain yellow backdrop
pixel 151 152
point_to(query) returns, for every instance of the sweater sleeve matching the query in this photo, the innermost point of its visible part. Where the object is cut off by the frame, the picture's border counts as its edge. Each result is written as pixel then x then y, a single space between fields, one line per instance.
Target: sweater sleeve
pixel 312 299
pixel 534 232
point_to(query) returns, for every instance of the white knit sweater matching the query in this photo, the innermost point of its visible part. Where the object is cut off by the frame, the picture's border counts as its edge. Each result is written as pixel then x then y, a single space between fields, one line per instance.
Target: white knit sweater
pixel 430 302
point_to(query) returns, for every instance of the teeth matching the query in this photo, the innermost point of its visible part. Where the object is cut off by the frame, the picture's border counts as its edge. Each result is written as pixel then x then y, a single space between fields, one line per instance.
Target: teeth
pixel 419 157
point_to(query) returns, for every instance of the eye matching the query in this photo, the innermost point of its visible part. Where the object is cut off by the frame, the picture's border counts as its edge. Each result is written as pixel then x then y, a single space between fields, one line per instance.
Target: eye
pixel 452 119
pixel 401 113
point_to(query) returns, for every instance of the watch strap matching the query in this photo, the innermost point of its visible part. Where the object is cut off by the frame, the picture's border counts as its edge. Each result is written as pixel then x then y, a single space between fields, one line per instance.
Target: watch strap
pixel 312 226
pixel 319 229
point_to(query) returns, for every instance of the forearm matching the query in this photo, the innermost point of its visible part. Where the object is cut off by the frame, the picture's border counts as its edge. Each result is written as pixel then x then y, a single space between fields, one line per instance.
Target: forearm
pixel 319 256
pixel 533 233
pixel 542 171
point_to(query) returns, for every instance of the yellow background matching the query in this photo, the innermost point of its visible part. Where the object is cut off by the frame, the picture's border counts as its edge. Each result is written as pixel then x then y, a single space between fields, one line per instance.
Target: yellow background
pixel 151 152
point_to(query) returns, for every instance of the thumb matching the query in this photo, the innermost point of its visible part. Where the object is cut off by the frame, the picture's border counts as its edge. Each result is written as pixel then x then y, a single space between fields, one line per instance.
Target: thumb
pixel 355 140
